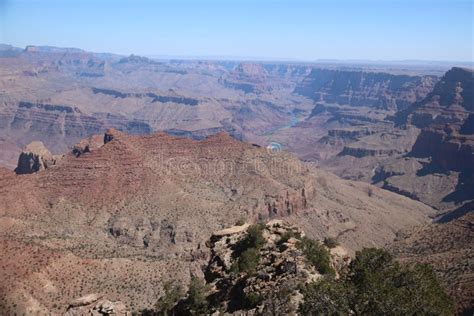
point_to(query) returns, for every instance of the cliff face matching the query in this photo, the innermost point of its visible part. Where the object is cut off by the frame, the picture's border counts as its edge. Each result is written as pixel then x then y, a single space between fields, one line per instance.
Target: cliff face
pixel 446 140
pixel 259 78
pixel 357 88
pixel 59 126
pixel 468 127
pixel 450 102
pixel 448 151
pixel 446 118
pixel 426 155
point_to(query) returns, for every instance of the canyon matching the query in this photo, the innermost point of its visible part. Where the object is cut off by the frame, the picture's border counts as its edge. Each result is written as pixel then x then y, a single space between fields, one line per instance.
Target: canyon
pixel 115 170
pixel 147 204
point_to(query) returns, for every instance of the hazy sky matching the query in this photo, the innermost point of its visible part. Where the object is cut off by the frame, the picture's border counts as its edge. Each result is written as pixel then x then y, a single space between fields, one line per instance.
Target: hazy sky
pixel 276 29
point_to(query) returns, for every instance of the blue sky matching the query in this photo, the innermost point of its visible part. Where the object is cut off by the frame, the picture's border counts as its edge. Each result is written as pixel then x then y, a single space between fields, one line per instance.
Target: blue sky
pixel 270 29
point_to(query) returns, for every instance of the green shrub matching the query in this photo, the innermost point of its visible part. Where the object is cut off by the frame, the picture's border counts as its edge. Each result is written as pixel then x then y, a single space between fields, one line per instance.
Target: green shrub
pixel 248 261
pixel 378 285
pixel 166 303
pixel 254 238
pixel 287 236
pixel 196 301
pixel 247 252
pixel 317 255
pixel 330 242
pixel 253 299
pixel 367 262
pixel 173 293
pixel 384 285
pixel 326 297
pixel 240 222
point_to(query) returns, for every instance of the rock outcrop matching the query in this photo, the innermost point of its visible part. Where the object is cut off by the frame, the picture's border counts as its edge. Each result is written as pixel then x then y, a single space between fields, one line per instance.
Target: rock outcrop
pixel 35 157
pixel 84 300
pixel 87 145
pixel 95 305
pixel 274 286
pixel 111 134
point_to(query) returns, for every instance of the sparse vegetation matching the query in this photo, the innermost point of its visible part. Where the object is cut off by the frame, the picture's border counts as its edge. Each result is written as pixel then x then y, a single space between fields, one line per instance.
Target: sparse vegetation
pixel 166 303
pixel 240 222
pixel 330 242
pixel 253 299
pixel 254 237
pixel 196 301
pixel 378 285
pixel 370 191
pixel 317 255
pixel 287 236
pixel 247 262
pixel 248 250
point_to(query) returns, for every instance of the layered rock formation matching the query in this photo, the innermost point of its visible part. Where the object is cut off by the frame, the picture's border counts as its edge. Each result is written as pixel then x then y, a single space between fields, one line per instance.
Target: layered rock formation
pixel 258 78
pixel 58 126
pixel 427 155
pixel 450 102
pixel 358 88
pixel 447 149
pixel 350 114
pixel 444 139
pixel 138 210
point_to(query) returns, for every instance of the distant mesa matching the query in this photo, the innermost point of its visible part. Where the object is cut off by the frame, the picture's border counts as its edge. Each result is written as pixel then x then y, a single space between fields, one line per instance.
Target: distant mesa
pixel 51 49
pixel 134 59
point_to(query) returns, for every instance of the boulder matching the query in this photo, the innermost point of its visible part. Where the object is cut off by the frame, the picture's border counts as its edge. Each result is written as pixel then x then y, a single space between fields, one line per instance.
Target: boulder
pixel 111 134
pixel 34 158
pixel 87 145
pixel 84 300
pixel 106 307
pixel 95 305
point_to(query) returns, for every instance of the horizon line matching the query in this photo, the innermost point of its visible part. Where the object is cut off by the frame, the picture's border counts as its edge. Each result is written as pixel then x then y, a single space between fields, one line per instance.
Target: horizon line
pixel 257 58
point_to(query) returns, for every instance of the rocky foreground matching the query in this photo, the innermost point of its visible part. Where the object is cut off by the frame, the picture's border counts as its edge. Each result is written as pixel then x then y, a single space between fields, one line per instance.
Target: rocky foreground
pixel 274 269
pixel 270 283
pixel 237 287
